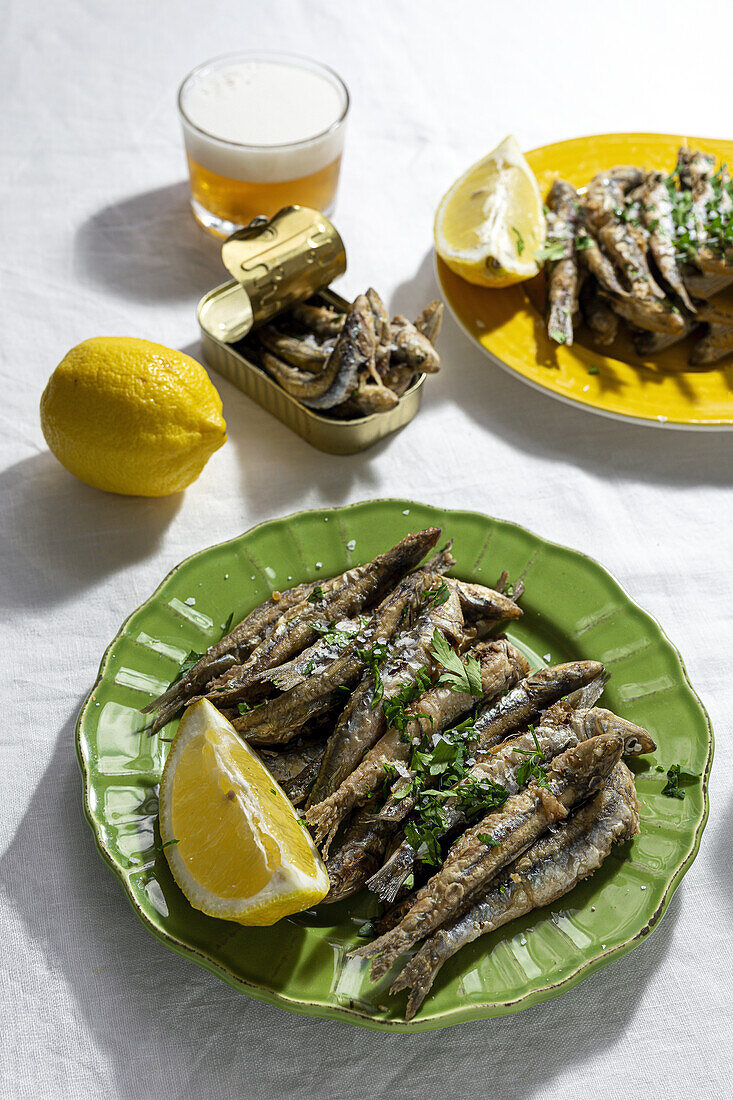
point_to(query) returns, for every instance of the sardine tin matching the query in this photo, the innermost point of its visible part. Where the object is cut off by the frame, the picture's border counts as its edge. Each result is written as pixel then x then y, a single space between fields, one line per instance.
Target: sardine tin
pixel 275 263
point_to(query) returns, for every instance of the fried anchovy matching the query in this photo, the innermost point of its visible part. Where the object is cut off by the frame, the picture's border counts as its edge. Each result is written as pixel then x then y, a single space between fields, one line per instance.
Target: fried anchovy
pixel 597 314
pixel 353 354
pixel 696 171
pixel 300 353
pixel 651 343
pixel 651 314
pixel 715 345
pixel 298 788
pixel 278 720
pixel 225 654
pixel 354 348
pixel 564 281
pixel 363 721
pixel 564 724
pixel 382 332
pixel 531 696
pixel 501 765
pixel 368 834
pixel 501 666
pixel 340 597
pixel 316 657
pixel 472 863
pixel 288 765
pixel 704 286
pixel 603 204
pixel 549 869
pixel 656 212
pixel 430 320
pixel 482 604
pixel 411 347
pixel 318 319
pixel 373 397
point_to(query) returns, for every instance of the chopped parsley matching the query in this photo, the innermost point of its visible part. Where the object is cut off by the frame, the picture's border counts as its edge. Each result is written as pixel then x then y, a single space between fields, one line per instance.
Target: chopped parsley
pixel 438 766
pixel 395 708
pixel 677 777
pixel 520 240
pixel 316 595
pixel 558 336
pixel 192 658
pixel 373 658
pixel 487 838
pixel 532 768
pixel 162 847
pixel 593 369
pixel 438 595
pixel 458 675
pixel 244 708
pixel 553 249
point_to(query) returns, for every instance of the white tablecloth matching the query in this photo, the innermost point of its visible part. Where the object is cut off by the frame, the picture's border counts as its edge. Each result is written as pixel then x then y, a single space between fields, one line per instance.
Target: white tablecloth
pixel 96 239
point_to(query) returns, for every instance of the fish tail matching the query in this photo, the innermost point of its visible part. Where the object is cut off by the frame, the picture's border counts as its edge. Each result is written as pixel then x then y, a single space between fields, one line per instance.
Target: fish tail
pixel 420 973
pixel 391 876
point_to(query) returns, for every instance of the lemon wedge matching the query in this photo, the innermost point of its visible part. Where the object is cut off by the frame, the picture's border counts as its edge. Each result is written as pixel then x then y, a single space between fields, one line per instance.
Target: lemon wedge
pixel 490 224
pixel 234 843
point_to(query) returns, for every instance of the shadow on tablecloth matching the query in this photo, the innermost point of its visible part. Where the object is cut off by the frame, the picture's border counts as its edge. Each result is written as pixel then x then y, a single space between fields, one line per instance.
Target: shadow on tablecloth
pixel 164 1027
pixel 148 248
pixel 60 537
pixel 536 424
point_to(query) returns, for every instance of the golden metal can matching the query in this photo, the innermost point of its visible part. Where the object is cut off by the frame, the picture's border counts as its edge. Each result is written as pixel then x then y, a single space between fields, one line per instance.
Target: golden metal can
pixel 276 262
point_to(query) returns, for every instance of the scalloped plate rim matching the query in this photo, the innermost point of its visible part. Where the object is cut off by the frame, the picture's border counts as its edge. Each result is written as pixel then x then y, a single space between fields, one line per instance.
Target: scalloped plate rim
pixel 461 1014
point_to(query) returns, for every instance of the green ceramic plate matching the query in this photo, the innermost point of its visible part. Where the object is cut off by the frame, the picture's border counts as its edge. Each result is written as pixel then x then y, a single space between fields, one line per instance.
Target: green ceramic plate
pixel 572 609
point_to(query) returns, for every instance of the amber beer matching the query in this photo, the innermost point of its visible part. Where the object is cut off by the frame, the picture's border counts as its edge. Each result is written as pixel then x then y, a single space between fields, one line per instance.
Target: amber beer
pixel 261 131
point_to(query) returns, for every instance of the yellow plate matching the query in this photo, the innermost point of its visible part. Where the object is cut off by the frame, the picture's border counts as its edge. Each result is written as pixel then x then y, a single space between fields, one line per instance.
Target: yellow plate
pixel 508 324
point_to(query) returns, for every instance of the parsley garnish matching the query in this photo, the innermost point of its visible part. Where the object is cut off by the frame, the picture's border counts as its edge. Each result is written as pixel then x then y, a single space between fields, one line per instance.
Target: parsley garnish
pixel 458 676
pixel 162 847
pixel 552 250
pixel 487 838
pixel 395 708
pixel 244 708
pixel 227 625
pixel 188 662
pixel 532 767
pixel 593 369
pixel 520 241
pixel 373 657
pixel 558 336
pixel 316 595
pixel 438 595
pixel 676 776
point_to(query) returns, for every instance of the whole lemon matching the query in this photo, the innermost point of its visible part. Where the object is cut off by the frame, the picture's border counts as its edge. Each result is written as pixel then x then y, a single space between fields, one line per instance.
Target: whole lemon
pixel 131 416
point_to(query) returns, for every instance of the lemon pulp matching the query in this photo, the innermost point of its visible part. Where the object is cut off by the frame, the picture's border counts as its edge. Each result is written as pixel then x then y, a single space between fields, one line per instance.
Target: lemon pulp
pixel 234 842
pixel 490 223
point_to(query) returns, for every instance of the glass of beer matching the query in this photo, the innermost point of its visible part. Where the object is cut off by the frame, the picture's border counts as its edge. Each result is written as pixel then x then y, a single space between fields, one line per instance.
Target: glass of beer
pixel 262 130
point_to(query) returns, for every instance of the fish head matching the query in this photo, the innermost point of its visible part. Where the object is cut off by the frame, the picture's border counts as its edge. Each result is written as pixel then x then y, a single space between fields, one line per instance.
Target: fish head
pixel 636 739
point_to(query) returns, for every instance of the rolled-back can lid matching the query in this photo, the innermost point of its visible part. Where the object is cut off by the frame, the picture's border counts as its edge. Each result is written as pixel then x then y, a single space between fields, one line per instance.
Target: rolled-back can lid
pixel 277 262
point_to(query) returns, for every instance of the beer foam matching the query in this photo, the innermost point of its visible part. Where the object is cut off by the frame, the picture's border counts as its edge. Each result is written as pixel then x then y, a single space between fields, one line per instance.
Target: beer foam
pixel 241 118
